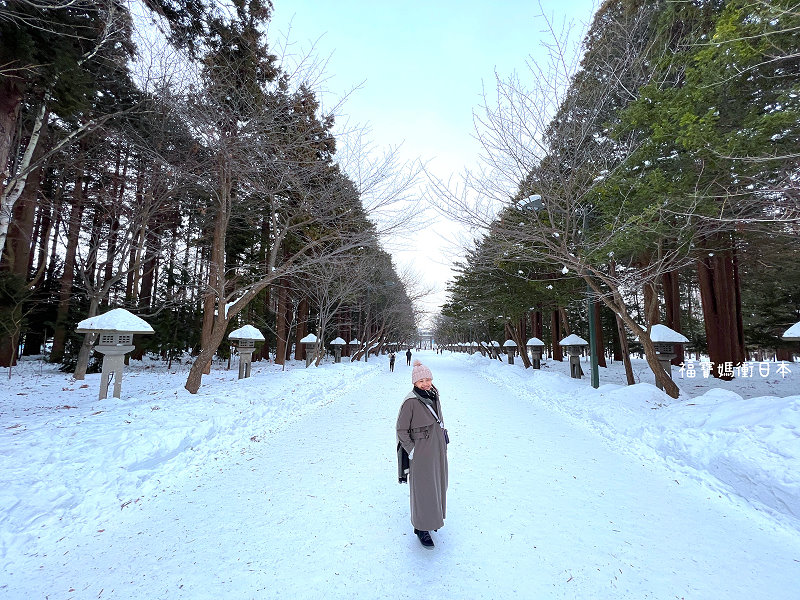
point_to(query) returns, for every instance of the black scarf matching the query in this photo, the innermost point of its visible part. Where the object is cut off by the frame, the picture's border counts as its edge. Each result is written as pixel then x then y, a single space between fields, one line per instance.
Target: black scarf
pixel 427 396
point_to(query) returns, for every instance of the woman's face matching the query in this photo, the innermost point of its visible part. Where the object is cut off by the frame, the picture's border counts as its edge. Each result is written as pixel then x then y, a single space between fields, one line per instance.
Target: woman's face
pixel 424 384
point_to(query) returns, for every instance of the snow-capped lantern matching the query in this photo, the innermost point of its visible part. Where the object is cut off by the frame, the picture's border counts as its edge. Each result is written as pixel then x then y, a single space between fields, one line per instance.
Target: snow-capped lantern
pixel 337 344
pixel 665 340
pixel 245 339
pixel 115 330
pixel 793 333
pixel 510 347
pixel 494 348
pixel 535 346
pixel 310 344
pixel 574 346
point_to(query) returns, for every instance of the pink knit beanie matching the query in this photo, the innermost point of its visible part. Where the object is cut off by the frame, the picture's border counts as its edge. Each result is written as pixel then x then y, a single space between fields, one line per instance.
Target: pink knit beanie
pixel 420 371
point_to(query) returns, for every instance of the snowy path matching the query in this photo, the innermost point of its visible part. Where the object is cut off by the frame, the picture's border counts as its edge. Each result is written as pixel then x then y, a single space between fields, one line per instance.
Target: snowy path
pixel 538 508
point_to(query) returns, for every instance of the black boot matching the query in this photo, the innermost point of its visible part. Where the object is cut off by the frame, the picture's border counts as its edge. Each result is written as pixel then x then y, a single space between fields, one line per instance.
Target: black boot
pixel 424 538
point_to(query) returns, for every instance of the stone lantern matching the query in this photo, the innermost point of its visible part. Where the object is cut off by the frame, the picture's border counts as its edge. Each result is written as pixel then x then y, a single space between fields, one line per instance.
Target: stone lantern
pixel 574 346
pixel 665 339
pixel 536 346
pixel 494 347
pixel 337 344
pixel 310 345
pixel 793 333
pixel 115 330
pixel 510 347
pixel 245 339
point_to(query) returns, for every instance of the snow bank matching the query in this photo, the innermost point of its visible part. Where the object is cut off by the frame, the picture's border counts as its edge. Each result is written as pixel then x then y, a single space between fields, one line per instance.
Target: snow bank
pixel 69 457
pixel 747 447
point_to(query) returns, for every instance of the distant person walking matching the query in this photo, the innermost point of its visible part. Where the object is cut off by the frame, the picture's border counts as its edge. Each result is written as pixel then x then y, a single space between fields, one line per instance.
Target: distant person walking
pixel 408 357
pixel 422 437
pixel 391 361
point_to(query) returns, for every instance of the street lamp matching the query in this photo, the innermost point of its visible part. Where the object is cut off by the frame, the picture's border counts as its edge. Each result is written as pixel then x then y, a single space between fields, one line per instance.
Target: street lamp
pixel 592 325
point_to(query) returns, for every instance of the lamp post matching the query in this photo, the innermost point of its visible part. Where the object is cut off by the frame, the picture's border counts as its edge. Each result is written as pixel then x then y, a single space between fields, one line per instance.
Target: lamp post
pixel 592 325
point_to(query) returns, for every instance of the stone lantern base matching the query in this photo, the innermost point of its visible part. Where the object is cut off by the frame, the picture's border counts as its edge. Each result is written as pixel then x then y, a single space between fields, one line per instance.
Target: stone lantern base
pixel 245 362
pixel 113 362
pixel 575 370
pixel 665 360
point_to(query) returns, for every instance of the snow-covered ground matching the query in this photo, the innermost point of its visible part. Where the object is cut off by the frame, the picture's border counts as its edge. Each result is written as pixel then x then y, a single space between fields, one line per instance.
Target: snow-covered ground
pixel 283 485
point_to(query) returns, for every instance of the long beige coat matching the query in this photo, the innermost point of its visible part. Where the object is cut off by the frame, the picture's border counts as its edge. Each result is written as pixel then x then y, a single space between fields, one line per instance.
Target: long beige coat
pixel 418 430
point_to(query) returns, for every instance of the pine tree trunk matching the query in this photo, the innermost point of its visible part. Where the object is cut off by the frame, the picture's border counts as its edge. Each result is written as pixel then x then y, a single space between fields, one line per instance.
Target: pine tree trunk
pixel 11 190
pixel 599 344
pixel 536 323
pixel 18 251
pixel 625 351
pixel 19 243
pixel 281 326
pixel 652 314
pixel 82 364
pixel 49 221
pixel 565 328
pixel 722 310
pixel 202 364
pixel 555 332
pixel 302 329
pixel 10 100
pixel 290 323
pixel 68 274
pixel 150 269
pixel 623 338
pixel 672 309
pixel 519 334
pixel 16 260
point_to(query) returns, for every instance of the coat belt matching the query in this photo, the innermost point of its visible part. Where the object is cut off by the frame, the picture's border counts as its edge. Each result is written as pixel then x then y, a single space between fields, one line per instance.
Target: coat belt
pixel 426 430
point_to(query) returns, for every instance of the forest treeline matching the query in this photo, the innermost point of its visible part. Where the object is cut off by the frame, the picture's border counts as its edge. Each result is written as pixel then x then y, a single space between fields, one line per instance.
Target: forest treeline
pixel 655 181
pixel 169 163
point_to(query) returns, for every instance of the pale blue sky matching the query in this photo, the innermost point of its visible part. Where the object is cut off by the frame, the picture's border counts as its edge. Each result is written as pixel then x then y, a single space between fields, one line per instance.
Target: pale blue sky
pixel 422 65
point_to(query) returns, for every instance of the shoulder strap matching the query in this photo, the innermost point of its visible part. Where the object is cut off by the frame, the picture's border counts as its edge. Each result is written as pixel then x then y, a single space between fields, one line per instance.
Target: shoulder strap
pixel 433 412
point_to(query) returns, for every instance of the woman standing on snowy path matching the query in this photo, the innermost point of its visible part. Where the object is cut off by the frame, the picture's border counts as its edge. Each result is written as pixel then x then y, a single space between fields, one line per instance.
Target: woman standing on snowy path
pixel 421 433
